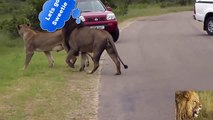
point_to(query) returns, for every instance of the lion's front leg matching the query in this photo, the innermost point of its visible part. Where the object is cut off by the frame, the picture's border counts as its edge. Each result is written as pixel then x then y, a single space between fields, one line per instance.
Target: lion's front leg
pixel 28 57
pixel 71 59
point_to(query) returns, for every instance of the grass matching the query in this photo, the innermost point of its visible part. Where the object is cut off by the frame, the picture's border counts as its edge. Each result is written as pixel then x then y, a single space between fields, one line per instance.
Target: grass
pixel 206 98
pixel 40 92
pixel 138 10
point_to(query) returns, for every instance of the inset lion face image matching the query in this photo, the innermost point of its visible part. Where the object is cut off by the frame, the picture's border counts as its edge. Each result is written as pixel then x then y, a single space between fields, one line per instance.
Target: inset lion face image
pixel 22 28
pixel 188 105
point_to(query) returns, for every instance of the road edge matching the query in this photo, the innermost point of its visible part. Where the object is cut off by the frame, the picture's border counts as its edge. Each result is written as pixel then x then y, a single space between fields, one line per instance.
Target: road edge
pixel 123 25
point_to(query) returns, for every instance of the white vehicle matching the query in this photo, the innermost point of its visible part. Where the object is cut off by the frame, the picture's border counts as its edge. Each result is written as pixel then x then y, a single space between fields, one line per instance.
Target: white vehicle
pixel 203 12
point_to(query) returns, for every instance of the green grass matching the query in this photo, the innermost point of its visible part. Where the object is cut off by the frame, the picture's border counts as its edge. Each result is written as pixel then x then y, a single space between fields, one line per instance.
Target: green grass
pixel 10 51
pixel 139 10
pixel 40 92
pixel 206 98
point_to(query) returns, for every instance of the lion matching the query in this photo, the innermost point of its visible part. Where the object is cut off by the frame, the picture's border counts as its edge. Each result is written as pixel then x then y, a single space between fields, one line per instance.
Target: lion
pixel 188 105
pixel 35 41
pixel 79 38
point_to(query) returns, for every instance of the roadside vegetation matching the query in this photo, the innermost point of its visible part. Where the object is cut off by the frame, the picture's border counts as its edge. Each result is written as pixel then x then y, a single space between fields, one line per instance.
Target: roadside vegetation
pixel 58 93
pixel 206 98
pixel 140 10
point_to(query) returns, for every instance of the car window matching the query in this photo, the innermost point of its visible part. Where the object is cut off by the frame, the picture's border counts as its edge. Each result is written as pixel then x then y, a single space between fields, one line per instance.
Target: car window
pixel 93 5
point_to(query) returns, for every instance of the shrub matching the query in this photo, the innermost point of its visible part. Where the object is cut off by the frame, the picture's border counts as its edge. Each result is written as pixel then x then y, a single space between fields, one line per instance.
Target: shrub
pixel 27 13
pixel 33 13
pixel 10 25
pixel 166 4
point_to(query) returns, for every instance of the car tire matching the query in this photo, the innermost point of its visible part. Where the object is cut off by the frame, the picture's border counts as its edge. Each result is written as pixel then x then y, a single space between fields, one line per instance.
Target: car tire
pixel 209 26
pixel 115 35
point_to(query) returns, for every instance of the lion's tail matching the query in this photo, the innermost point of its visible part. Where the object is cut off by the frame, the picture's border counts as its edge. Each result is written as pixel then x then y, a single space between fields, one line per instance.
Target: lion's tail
pixel 110 40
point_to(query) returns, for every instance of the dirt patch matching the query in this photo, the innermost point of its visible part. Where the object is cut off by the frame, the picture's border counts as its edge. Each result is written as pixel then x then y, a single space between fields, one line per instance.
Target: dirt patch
pixel 88 89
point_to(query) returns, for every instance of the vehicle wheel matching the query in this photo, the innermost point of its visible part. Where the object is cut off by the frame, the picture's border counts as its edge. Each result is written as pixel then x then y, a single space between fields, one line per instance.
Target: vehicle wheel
pixel 115 35
pixel 209 26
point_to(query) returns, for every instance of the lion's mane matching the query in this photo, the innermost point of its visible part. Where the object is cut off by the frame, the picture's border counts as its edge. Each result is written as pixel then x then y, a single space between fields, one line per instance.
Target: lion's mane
pixel 187 105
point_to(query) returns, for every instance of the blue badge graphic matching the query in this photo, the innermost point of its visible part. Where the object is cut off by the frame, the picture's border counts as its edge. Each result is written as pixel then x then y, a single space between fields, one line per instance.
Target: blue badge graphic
pixel 76 14
pixel 56 12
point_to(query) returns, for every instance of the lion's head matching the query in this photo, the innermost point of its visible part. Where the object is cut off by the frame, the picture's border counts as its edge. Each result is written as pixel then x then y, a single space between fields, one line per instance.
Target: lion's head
pixel 23 28
pixel 187 105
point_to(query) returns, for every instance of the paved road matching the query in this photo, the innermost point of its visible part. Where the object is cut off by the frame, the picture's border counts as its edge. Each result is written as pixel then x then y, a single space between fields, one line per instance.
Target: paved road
pixel 164 53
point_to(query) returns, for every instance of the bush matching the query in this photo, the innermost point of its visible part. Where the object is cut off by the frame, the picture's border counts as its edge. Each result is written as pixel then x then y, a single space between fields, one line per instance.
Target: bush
pixel 167 4
pixel 182 2
pixel 121 10
pixel 10 25
pixel 33 13
pixel 26 13
pixel 120 7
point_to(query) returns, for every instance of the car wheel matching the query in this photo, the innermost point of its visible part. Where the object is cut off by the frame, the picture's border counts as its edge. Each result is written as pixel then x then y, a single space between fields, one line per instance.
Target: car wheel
pixel 209 26
pixel 115 35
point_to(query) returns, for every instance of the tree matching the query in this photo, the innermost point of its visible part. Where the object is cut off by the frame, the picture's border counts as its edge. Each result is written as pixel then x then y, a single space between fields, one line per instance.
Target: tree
pixel 33 12
pixel 120 6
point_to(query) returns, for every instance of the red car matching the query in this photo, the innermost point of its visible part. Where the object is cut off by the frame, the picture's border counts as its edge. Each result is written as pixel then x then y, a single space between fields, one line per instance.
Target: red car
pixel 96 15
